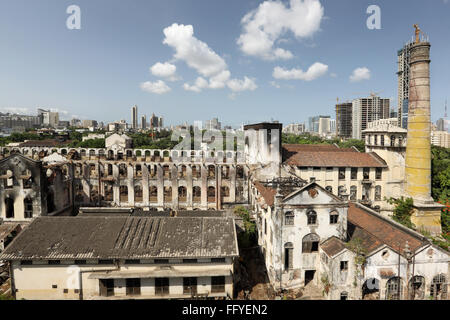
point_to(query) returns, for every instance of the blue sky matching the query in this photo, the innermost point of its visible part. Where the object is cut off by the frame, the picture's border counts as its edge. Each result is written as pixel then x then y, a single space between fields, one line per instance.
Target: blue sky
pixel 100 71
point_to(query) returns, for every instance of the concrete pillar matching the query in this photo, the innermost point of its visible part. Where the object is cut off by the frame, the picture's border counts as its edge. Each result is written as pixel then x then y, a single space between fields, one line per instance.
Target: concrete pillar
pixel 189 186
pixel 160 185
pixel 174 180
pixel 204 200
pixel 116 186
pixel 145 185
pixel 130 184
pixel 232 183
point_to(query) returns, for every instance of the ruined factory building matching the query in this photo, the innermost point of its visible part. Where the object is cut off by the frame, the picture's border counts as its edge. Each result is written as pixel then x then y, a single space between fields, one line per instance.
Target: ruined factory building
pixel 123 257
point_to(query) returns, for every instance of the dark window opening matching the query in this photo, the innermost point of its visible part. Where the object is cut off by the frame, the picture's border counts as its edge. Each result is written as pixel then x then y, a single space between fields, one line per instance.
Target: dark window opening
pixel 217 284
pixel 161 286
pixel 54 262
pixel 133 286
pixel 161 261
pixel 190 285
pixel 106 287
pixel 105 261
pixel 344 265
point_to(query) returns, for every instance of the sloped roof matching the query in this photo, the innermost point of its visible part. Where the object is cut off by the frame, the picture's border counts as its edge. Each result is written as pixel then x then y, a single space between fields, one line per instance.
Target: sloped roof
pixel 266 192
pixel 332 246
pixel 124 237
pixel 329 156
pixel 375 230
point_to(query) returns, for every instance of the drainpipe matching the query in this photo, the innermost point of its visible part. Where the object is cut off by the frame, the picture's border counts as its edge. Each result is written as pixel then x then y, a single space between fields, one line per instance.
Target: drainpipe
pixel 11 277
pixel 117 268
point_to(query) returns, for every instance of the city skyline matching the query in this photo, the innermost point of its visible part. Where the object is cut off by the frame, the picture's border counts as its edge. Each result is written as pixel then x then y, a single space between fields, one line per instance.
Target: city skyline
pixel 70 72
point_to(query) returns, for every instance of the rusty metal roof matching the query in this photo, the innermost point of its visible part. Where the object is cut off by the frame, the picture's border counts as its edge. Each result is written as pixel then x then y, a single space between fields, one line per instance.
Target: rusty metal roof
pixel 124 237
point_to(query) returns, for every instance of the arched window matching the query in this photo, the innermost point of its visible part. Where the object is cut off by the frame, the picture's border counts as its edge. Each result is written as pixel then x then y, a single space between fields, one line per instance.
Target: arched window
pixel 438 288
pixel 182 172
pixel 311 217
pixel 167 194
pixel 211 194
pixel 109 195
pixel 288 255
pixel 196 172
pixel 289 218
pixel 28 207
pixel 153 194
pixel 329 189
pixel 123 170
pixel 334 217
pixel 225 191
pixel 197 194
pixel 123 190
pixel 182 194
pixel 310 243
pixel 225 172
pixel 371 289
pixel 240 172
pixel 392 141
pixel 166 171
pixel 211 171
pixel 138 193
pixel 417 288
pixel 394 289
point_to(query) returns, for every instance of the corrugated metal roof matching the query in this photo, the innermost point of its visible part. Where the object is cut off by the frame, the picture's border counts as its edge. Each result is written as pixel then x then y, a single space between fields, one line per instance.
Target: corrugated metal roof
pixel 124 237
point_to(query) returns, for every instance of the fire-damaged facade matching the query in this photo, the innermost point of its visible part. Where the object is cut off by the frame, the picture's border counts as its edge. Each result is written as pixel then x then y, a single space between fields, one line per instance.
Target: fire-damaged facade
pixel 31 188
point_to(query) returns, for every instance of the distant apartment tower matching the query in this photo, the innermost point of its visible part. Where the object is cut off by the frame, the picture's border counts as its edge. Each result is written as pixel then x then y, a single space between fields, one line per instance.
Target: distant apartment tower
pixel 213 124
pixel 75 122
pixel 294 128
pixel 320 125
pixel 365 110
pixel 89 124
pixel 48 118
pixel 143 122
pixel 344 120
pixel 134 117
pixel 403 60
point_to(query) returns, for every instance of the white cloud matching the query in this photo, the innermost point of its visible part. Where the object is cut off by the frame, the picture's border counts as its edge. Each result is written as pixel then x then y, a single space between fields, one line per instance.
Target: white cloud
pixel 165 70
pixel 197 54
pixel 237 85
pixel 360 74
pixel 315 71
pixel 158 87
pixel 333 75
pixel 271 20
pixel 213 70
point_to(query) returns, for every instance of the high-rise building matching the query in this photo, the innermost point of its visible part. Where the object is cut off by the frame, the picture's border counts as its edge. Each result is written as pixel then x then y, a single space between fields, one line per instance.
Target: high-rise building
pixel 344 120
pixel 48 118
pixel 320 125
pixel 365 110
pixel 294 128
pixel 213 124
pixel 403 60
pixel 134 117
pixel 143 122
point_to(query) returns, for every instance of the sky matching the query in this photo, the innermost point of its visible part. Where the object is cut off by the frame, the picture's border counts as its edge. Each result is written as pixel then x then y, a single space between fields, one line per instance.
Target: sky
pixel 188 60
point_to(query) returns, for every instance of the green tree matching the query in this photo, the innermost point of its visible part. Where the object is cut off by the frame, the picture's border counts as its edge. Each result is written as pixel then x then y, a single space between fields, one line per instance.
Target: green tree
pixel 402 211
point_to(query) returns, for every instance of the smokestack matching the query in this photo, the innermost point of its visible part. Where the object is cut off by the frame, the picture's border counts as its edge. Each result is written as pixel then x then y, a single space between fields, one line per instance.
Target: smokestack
pixel 426 213
pixel 418 148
